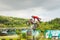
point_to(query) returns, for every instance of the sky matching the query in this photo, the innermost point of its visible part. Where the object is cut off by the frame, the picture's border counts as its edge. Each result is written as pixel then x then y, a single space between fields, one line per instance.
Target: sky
pixel 45 9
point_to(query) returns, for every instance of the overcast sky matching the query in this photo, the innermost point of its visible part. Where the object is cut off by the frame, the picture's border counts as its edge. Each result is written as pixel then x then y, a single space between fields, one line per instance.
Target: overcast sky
pixel 46 9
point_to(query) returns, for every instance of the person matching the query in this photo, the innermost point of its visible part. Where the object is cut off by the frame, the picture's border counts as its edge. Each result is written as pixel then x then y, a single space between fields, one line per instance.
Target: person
pixel 29 22
pixel 36 17
pixel 33 20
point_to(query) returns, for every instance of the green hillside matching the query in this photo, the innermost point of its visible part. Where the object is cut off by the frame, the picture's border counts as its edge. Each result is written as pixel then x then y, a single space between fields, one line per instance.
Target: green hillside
pixel 51 25
pixel 55 23
pixel 20 22
pixel 12 22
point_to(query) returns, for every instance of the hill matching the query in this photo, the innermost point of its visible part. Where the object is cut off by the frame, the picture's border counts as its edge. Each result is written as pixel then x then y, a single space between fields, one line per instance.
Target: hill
pixel 55 23
pixel 50 25
pixel 21 22
pixel 12 22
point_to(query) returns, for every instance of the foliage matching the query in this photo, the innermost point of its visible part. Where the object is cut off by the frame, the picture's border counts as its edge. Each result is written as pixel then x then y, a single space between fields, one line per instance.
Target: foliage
pixel 23 35
pixel 55 24
pixel 12 22
pixel 20 22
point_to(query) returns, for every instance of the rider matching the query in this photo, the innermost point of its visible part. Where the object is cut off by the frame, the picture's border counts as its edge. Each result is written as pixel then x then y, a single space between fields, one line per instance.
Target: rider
pixel 34 20
pixel 36 17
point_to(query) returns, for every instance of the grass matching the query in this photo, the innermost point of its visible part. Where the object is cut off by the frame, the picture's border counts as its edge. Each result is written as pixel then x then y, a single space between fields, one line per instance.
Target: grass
pixel 20 38
pixel 41 37
pixel 24 39
pixel 9 37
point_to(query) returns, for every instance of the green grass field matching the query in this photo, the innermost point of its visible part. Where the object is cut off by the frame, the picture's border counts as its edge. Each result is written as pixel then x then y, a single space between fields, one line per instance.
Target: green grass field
pixel 18 38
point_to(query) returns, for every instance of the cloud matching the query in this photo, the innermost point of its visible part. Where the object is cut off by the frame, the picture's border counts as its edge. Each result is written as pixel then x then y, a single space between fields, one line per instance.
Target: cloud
pixel 46 9
pixel 24 4
pixel 27 13
pixel 44 14
pixel 31 11
pixel 4 7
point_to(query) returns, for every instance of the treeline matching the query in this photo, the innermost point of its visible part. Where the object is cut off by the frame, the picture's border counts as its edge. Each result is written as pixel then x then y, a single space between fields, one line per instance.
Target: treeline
pixel 55 23
pixel 20 22
pixel 12 22
pixel 50 25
